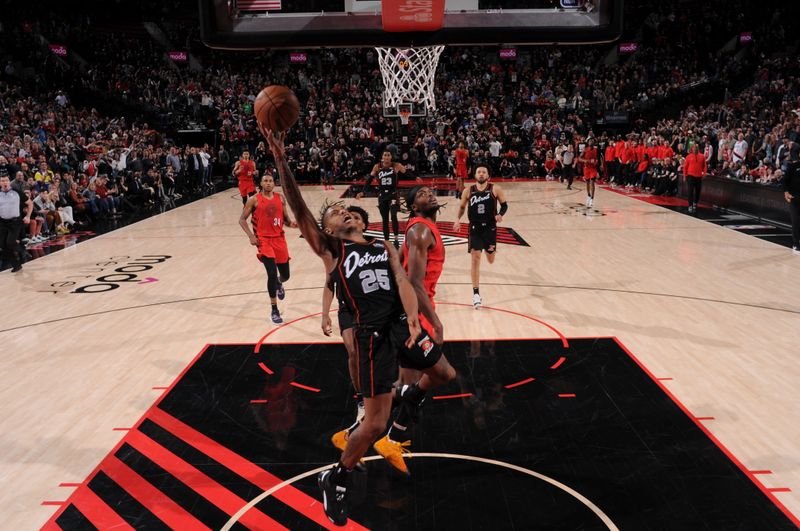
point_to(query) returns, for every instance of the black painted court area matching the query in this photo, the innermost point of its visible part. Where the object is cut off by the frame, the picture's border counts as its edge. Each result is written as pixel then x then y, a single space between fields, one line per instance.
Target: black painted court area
pixel 593 421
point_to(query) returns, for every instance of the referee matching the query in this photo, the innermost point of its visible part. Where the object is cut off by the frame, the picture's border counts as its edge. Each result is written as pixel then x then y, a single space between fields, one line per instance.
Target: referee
pixel 10 223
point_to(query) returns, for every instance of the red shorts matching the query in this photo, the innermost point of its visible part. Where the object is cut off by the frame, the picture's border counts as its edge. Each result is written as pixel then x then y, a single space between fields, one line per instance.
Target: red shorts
pixel 461 172
pixel 273 248
pixel 589 173
pixel 246 188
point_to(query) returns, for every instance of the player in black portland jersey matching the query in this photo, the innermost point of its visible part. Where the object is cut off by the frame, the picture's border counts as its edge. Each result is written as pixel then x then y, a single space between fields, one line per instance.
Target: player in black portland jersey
pixel 481 199
pixel 384 305
pixel 387 174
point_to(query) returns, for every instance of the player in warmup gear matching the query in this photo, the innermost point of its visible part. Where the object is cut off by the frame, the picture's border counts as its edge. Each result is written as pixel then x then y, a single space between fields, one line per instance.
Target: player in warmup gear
pixel 423 260
pixel 346 321
pixel 245 172
pixel 374 285
pixel 589 160
pixel 462 156
pixel 481 200
pixel 268 212
pixel 388 174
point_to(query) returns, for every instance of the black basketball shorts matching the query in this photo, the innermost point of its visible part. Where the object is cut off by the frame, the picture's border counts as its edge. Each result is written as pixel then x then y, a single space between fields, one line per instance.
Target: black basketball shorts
pixel 482 237
pixel 422 355
pixel 345 320
pixel 376 359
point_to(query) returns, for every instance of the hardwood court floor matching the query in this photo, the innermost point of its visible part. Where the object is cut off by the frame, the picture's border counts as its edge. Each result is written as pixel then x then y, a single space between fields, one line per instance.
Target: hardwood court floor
pixel 714 312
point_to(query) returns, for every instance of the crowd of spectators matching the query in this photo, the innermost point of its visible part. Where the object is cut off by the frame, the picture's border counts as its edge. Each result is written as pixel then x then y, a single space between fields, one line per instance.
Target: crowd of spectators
pixel 518 117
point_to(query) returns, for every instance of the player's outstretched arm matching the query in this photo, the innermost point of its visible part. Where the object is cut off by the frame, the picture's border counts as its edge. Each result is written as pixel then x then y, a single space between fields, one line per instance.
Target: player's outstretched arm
pixel 462 207
pixel 500 193
pixel 289 222
pixel 371 176
pixel 320 243
pixel 407 295
pixel 419 239
pixel 327 299
pixel 247 211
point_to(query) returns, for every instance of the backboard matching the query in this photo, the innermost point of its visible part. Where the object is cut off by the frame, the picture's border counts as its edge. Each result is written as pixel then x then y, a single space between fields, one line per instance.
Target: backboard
pixel 261 24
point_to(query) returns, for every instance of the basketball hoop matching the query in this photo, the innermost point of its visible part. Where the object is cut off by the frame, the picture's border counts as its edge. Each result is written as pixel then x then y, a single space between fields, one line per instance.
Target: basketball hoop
pixel 405 114
pixel 408 75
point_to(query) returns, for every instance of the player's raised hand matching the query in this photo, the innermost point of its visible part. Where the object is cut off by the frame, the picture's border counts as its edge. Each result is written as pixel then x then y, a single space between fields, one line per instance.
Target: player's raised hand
pixel 275 141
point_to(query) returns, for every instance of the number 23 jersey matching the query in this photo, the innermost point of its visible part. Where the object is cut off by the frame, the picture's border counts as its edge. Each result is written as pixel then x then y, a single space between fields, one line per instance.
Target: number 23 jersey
pixel 364 281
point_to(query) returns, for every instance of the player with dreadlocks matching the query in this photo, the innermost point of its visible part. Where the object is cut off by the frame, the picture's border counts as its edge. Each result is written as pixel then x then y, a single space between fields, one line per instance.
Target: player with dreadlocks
pixel 423 260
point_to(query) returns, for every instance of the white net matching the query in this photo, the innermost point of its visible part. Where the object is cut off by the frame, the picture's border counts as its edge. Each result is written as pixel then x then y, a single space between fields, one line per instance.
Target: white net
pixel 408 74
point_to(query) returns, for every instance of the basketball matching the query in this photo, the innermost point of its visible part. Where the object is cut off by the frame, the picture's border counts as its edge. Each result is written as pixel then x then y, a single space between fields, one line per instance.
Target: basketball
pixel 277 108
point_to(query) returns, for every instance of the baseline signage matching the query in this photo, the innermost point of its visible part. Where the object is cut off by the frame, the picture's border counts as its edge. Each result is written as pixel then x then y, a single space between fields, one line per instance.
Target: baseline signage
pixel 109 274
pixel 58 49
pixel 179 56
pixel 508 53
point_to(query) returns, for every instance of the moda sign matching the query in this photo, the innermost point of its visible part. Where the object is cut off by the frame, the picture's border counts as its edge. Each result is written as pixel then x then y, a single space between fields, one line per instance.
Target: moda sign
pixel 109 274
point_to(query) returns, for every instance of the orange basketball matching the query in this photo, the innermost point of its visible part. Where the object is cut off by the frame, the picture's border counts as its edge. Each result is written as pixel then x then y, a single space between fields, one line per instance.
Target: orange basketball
pixel 277 108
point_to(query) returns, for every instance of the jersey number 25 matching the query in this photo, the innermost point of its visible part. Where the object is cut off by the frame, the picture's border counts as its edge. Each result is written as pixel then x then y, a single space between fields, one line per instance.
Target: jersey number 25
pixel 373 280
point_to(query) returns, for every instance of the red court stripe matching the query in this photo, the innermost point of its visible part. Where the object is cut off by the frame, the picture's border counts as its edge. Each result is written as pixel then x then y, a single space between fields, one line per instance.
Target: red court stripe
pixel 97 511
pixel 258 401
pixel 521 382
pixel 445 397
pixel 306 387
pixel 566 395
pixel 558 364
pixel 58 503
pixel 51 523
pixel 284 325
pixel 121 429
pixel 663 379
pixel 256 475
pixel 159 387
pixel 761 471
pixel 704 418
pixel 780 489
pixel 795 520
pixel 265 368
pixel 153 499
pixel 199 482
pixel 69 484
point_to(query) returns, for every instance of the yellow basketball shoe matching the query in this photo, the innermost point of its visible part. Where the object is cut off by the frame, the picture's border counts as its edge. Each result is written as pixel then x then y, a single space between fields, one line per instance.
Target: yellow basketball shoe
pixel 339 440
pixel 393 452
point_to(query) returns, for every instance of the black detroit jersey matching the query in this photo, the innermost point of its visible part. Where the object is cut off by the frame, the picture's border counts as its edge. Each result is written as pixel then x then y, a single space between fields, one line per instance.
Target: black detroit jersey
pixel 482 206
pixel 364 281
pixel 387 182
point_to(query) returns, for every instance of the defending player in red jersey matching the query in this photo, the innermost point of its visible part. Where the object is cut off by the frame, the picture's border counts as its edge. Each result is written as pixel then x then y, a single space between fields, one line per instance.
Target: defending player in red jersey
pixel 268 211
pixel 423 260
pixel 589 160
pixel 245 172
